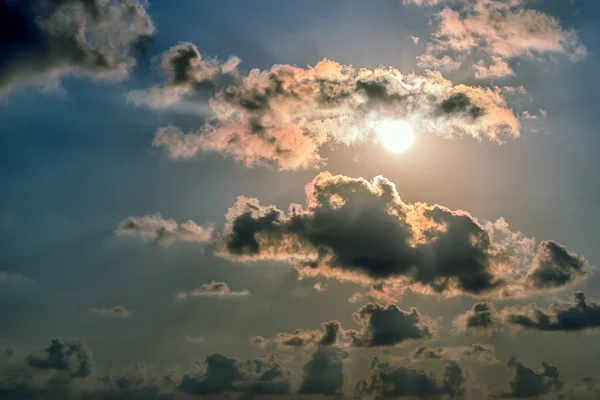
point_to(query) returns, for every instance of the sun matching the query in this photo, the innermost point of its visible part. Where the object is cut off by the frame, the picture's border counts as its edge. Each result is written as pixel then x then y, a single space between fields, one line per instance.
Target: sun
pixel 396 135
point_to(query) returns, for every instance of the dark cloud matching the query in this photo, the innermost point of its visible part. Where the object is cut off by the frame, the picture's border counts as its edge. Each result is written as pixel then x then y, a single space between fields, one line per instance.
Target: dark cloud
pixel 362 231
pixel 324 373
pixel 42 40
pixel 460 103
pixel 137 383
pixel 63 355
pixel 228 375
pixel 482 317
pixel 528 383
pixel 331 334
pixel 401 381
pixel 479 351
pixel 185 71
pixel 555 266
pixel 389 326
pixel 568 317
pixel 283 116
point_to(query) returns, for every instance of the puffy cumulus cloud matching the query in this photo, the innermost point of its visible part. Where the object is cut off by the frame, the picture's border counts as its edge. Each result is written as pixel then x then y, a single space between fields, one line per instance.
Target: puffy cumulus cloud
pixel 112 312
pixel 579 315
pixel 43 40
pixel 528 383
pixel 496 31
pixel 478 351
pixel 214 289
pixel 222 374
pixel 164 231
pixel 283 116
pixel 63 355
pixel 389 326
pixel 400 381
pixel 331 334
pixel 324 373
pixel 481 318
pixel 554 266
pixel 185 71
pixel 361 231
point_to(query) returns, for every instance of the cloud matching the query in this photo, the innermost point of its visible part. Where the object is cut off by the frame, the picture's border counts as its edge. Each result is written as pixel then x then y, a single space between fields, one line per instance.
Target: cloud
pixel 528 383
pixel 478 351
pixel 324 373
pixel 283 116
pixel 228 375
pixel 389 326
pixel 41 41
pixel 554 266
pixel 63 355
pixel 185 71
pixel 566 317
pixel 64 371
pixel 164 231
pixel 491 32
pixel 401 381
pixel 361 231
pixel 214 289
pixel 482 318
pixel 113 312
pixel 330 335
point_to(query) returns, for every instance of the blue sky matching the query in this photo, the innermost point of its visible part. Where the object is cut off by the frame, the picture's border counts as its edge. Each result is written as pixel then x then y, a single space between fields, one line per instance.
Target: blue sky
pixel 82 166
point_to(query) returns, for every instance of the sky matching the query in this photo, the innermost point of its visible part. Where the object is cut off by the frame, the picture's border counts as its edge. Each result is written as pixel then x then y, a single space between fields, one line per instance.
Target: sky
pixel 305 200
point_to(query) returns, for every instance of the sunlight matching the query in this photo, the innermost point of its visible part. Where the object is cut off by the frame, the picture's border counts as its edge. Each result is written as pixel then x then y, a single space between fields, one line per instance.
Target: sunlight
pixel 396 135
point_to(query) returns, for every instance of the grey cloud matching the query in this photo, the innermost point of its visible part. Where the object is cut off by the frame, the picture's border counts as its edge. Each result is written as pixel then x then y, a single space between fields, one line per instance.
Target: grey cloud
pixel 164 231
pixel 478 351
pixel 401 381
pixel 360 230
pixel 331 335
pixel 555 266
pixel 579 315
pixel 228 375
pixel 389 326
pixel 324 373
pixel 185 71
pixel 62 355
pixel 528 383
pixel 42 40
pixel 482 318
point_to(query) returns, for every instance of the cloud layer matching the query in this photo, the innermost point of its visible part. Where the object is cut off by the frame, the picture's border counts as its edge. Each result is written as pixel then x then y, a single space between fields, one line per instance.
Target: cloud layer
pixel 284 116
pixel 361 231
pixel 43 40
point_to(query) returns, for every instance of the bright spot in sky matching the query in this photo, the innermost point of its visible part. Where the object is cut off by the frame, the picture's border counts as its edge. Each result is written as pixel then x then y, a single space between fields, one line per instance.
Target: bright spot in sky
pixel 396 135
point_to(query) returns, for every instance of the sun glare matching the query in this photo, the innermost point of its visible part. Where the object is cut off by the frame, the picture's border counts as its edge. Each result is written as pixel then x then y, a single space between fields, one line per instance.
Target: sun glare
pixel 396 135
